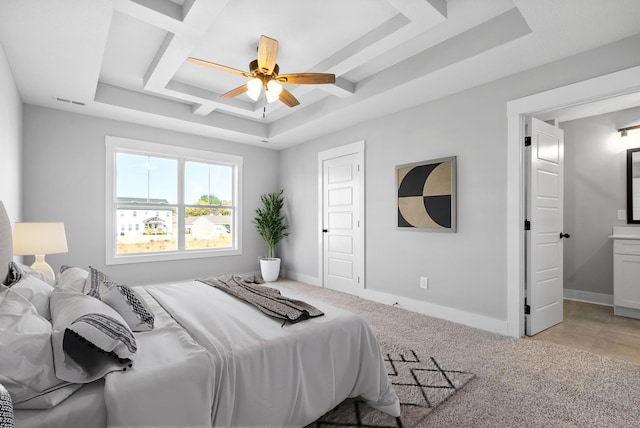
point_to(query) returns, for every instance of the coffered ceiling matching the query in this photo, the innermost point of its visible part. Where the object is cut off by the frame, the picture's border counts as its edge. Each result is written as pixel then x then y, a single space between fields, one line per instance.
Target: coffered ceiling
pixel 126 59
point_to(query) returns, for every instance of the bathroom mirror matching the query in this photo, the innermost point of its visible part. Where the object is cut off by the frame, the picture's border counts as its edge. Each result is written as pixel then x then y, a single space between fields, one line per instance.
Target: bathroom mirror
pixel 633 186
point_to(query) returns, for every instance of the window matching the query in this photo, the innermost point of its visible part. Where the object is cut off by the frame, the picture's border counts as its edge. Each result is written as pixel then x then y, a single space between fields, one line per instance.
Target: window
pixel 190 200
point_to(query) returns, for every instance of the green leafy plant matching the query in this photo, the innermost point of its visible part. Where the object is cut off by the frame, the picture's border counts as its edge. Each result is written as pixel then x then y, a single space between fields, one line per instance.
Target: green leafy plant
pixel 270 222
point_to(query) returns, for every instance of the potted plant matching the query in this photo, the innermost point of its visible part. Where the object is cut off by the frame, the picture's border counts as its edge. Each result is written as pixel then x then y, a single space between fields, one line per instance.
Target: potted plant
pixel 272 228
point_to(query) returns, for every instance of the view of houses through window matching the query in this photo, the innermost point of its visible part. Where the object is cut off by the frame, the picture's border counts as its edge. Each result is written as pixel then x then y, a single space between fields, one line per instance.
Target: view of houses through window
pixel 172 204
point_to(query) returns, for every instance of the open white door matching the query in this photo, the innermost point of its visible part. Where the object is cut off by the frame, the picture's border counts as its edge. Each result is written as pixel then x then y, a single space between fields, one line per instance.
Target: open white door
pixel 544 200
pixel 342 219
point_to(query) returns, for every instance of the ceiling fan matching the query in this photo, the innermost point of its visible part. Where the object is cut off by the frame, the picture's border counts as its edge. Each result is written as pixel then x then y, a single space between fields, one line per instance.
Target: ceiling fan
pixel 264 73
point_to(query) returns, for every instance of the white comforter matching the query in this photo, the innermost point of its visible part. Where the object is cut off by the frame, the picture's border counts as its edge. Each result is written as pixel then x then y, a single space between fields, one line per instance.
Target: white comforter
pixel 214 360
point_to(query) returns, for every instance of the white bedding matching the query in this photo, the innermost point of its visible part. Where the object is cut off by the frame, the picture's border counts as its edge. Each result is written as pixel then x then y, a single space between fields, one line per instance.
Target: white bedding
pixel 84 408
pixel 262 373
pixel 212 359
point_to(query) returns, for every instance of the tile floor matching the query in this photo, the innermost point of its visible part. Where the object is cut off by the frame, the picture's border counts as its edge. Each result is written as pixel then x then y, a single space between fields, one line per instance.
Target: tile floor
pixel 594 328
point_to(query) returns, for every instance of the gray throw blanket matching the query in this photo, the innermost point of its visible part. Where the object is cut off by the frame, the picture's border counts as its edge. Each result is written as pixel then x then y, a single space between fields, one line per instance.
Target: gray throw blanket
pixel 268 300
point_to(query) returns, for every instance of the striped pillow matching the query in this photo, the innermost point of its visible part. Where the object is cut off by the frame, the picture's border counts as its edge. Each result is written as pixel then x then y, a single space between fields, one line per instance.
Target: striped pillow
pixel 89 339
pixel 129 304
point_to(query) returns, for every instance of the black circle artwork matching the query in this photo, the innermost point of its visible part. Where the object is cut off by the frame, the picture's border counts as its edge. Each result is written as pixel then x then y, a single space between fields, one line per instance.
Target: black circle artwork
pixel 425 195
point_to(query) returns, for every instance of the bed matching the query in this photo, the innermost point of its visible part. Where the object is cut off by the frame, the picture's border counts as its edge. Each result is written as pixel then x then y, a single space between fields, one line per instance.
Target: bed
pixel 208 359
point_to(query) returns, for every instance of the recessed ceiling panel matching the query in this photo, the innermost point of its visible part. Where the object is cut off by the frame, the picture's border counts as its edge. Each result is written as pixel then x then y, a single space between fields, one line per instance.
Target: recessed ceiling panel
pixel 130 49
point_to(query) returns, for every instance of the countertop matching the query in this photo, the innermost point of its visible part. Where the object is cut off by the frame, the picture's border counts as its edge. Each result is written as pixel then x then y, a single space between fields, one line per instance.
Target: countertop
pixel 622 232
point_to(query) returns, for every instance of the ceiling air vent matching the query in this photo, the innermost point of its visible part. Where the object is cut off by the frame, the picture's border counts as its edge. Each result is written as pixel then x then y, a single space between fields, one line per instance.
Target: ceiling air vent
pixel 64 100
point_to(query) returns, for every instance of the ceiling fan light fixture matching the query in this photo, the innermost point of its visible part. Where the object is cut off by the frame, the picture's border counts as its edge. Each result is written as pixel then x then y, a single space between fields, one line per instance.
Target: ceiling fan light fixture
pixel 264 71
pixel 273 91
pixel 253 88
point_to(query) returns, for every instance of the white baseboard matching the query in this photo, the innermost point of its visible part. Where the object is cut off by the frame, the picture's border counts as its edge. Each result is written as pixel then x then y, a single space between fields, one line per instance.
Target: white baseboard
pixel 470 319
pixel 589 297
pixel 438 311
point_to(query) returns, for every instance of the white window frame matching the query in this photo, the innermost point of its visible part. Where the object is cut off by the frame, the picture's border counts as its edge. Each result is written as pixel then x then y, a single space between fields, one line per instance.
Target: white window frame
pixel 181 154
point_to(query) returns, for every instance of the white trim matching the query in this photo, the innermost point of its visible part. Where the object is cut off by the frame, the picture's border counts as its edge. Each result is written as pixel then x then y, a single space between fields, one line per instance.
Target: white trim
pixel 598 88
pixel 589 297
pixel 470 319
pixel 348 149
pixel 443 312
pixel 184 154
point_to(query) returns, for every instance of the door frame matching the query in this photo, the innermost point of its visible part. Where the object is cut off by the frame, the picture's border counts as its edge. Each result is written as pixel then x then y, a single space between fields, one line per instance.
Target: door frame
pixel 347 149
pixel 596 89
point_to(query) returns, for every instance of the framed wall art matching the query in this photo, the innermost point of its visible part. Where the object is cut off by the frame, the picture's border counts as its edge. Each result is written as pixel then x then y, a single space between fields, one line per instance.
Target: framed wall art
pixel 426 195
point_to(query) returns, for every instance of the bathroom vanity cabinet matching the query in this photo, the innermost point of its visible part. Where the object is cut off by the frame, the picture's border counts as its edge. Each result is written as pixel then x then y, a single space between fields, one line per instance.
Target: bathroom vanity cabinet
pixel 626 271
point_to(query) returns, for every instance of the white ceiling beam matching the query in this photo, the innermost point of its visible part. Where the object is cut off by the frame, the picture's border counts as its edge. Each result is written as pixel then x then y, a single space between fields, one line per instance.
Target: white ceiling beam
pixel 201 109
pixel 342 88
pixel 495 32
pixel 209 99
pixel 171 22
pixel 198 17
pixel 429 12
pixel 165 7
pixel 175 111
pixel 414 17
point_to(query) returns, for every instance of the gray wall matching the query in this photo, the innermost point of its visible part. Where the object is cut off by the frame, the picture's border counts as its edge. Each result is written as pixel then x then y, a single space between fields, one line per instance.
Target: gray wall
pixel 10 142
pixel 467 270
pixel 594 190
pixel 64 180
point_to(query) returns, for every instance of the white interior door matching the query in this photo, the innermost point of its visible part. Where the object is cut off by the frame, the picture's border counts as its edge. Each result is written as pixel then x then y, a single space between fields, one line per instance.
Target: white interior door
pixel 544 207
pixel 342 220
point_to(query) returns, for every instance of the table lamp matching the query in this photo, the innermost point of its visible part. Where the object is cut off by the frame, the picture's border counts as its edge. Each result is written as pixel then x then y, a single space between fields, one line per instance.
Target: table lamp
pixel 39 239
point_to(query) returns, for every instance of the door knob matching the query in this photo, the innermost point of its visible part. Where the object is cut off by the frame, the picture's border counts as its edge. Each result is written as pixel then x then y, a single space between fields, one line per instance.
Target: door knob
pixel 564 235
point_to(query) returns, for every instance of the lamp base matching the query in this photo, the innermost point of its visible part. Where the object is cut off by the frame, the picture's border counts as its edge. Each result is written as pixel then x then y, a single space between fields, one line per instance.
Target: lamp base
pixel 42 266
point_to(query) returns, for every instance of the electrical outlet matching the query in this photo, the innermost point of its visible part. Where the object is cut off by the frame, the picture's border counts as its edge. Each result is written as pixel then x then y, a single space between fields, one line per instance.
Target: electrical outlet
pixel 622 214
pixel 424 282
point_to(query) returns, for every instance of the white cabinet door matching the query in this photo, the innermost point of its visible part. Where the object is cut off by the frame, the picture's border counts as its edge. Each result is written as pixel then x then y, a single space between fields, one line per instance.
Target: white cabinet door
pixel 626 280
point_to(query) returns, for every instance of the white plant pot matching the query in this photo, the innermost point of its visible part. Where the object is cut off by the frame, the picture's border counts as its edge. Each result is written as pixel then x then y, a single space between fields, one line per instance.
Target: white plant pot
pixel 270 269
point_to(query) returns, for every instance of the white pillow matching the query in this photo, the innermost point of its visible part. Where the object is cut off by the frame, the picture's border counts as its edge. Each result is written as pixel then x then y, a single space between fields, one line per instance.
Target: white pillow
pixel 72 279
pixel 26 364
pixel 35 291
pixel 90 339
pixel 129 304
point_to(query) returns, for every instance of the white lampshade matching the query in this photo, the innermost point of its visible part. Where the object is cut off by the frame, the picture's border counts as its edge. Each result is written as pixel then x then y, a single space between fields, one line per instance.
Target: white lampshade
pixel 39 239
pixel 273 91
pixel 254 86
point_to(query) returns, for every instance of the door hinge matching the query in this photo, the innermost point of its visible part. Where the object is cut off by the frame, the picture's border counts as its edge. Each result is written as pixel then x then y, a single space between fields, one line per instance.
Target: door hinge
pixel 527 309
pixel 527 141
pixel 358 280
pixel 527 225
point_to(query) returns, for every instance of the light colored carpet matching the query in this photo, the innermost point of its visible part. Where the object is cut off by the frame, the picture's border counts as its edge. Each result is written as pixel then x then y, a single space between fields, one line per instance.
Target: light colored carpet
pixel 518 383
pixel 421 383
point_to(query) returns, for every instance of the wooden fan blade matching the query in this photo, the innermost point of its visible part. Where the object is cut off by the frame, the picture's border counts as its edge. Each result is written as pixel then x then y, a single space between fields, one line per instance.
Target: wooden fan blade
pixel 288 98
pixel 307 78
pixel 267 54
pixel 235 92
pixel 218 66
